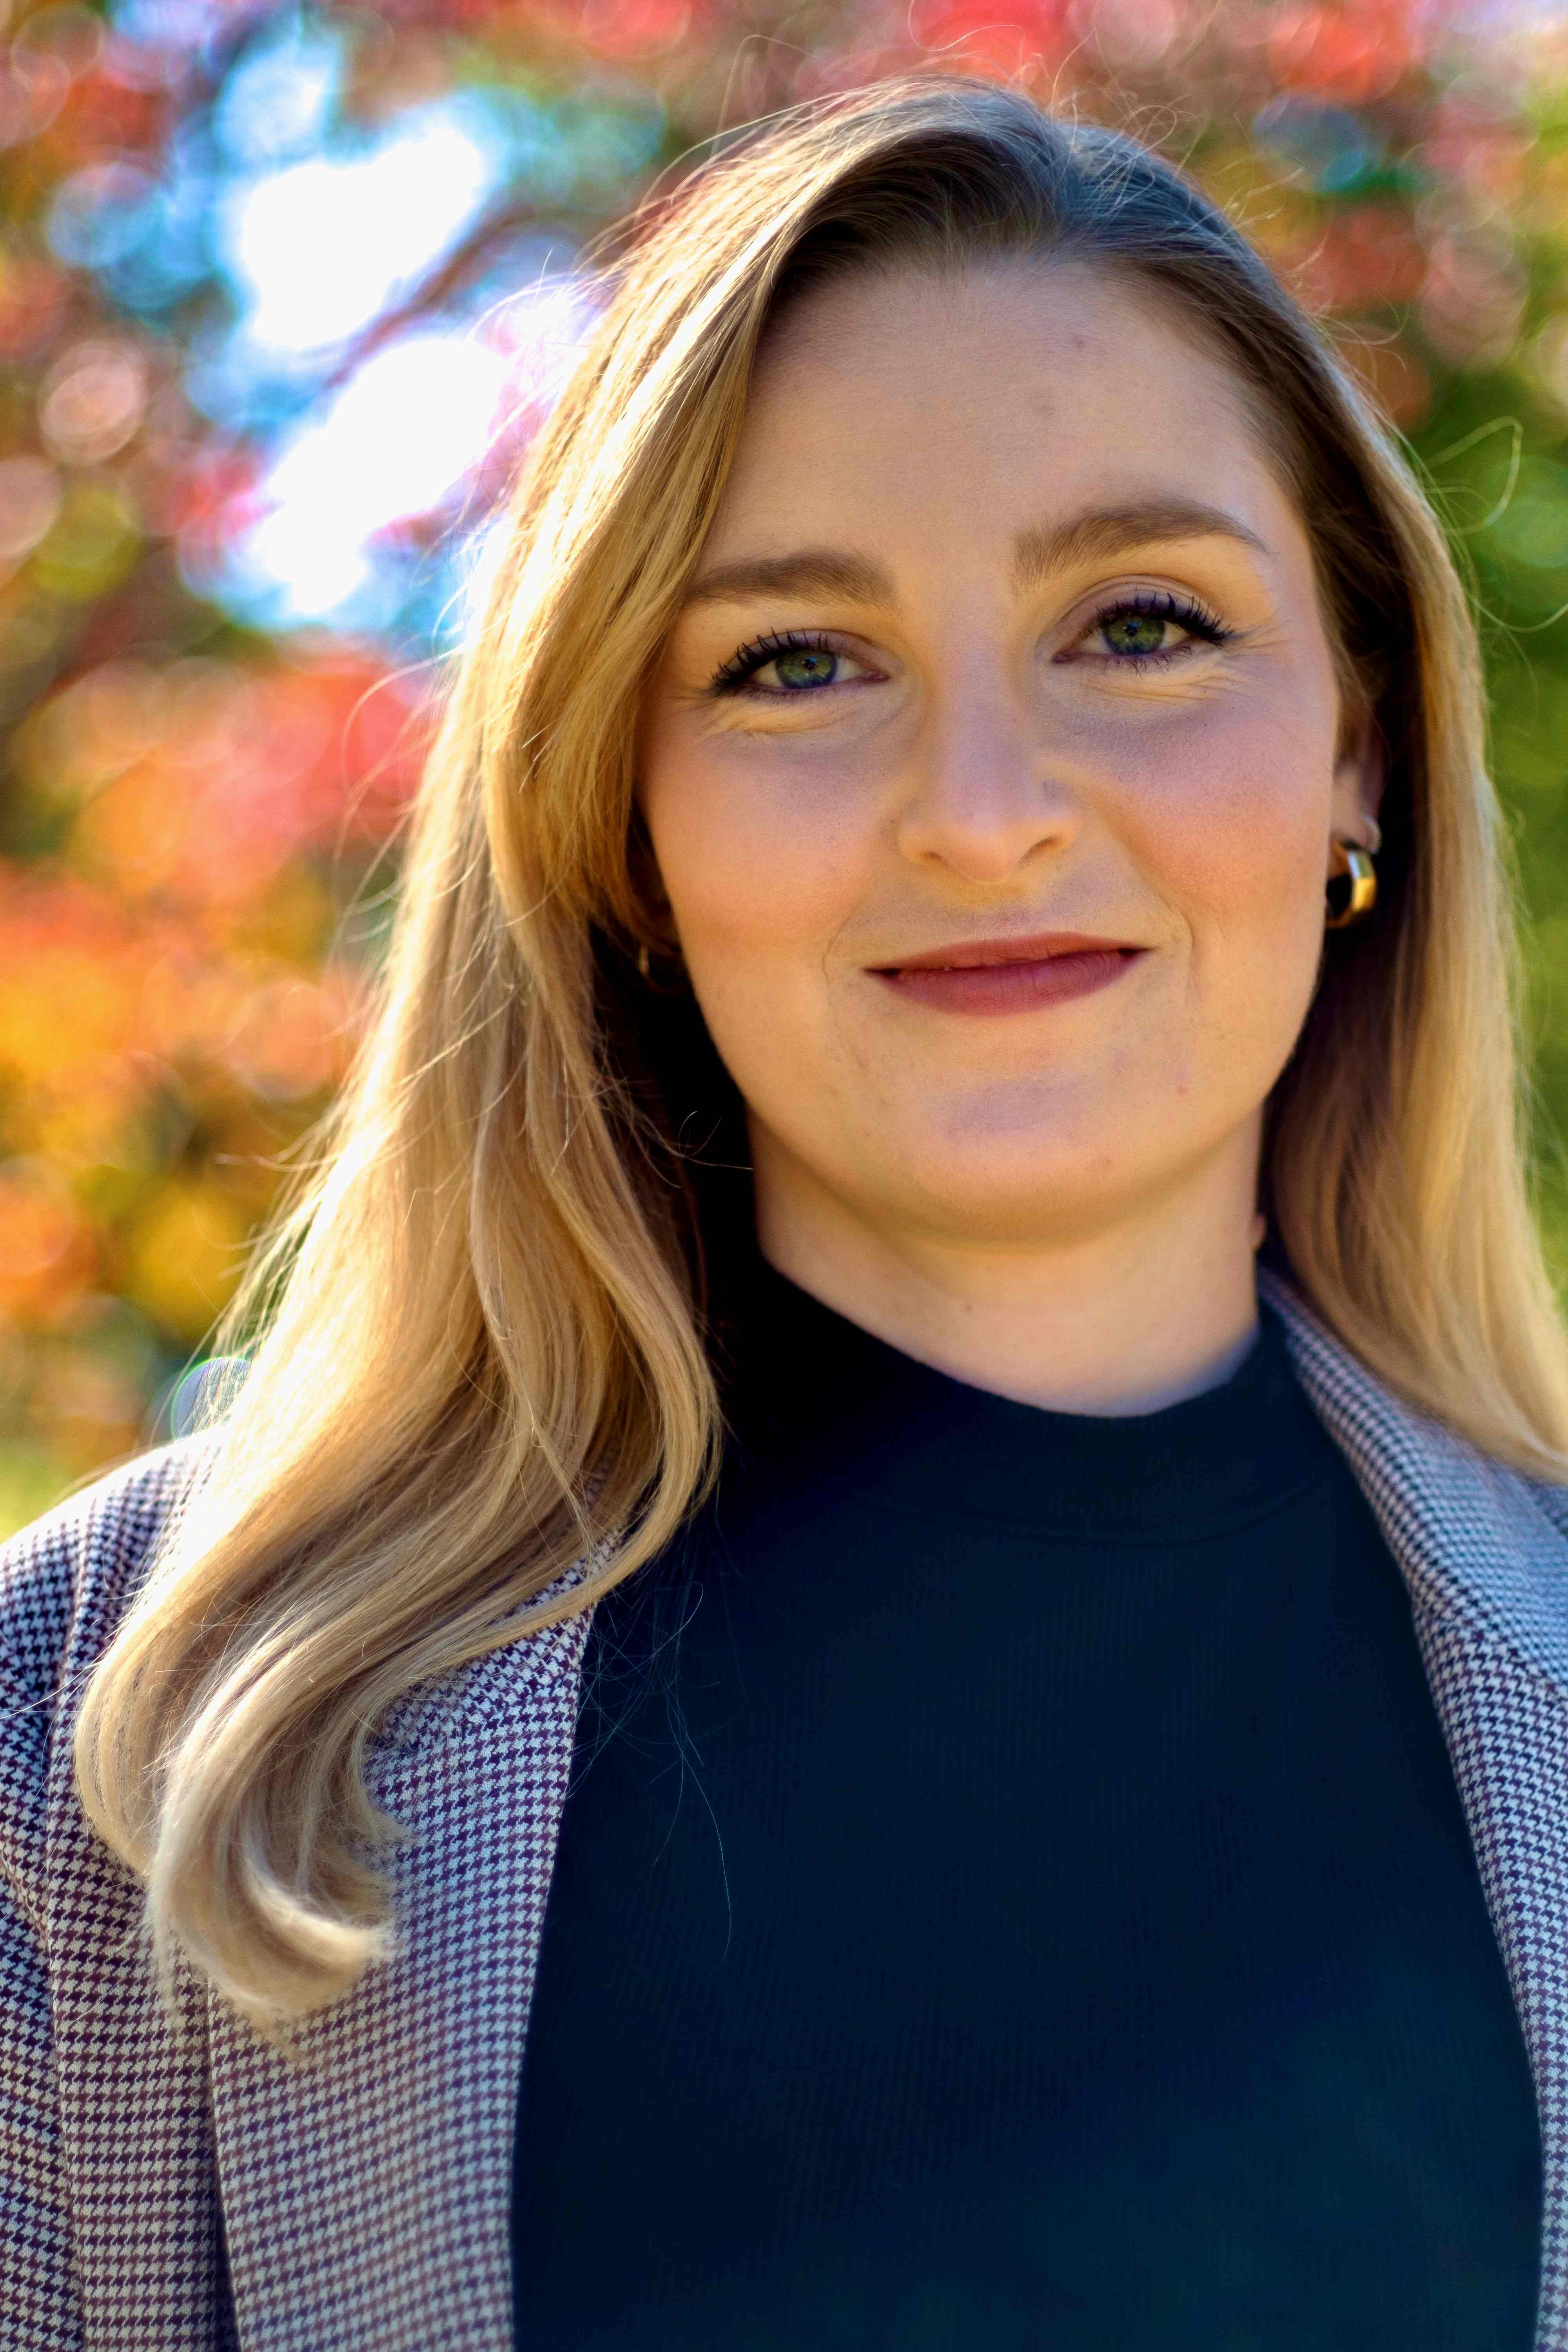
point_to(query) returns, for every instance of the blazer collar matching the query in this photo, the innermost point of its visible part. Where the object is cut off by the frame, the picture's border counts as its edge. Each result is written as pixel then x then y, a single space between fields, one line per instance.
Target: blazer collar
pixel 366 2184
pixel 1471 1536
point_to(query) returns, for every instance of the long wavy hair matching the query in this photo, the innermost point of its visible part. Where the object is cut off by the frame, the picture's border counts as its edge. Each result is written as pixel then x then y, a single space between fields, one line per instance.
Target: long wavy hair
pixel 484 1354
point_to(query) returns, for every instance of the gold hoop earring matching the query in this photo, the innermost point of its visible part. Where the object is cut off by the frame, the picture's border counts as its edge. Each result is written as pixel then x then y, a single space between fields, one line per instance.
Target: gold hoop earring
pixel 667 978
pixel 1353 893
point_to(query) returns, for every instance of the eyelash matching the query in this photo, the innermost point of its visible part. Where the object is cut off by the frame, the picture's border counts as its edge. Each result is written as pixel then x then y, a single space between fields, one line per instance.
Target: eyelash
pixel 1156 604
pixel 1162 604
pixel 732 675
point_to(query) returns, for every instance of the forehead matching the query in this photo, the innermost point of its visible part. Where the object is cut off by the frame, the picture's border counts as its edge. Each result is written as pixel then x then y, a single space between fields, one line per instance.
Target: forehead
pixel 963 397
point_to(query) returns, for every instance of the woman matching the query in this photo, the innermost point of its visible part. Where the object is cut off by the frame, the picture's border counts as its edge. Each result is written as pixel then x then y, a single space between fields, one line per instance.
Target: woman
pixel 1068 1830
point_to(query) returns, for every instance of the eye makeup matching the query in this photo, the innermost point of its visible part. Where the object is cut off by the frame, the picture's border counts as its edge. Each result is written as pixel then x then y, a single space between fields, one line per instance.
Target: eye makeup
pixel 1162 604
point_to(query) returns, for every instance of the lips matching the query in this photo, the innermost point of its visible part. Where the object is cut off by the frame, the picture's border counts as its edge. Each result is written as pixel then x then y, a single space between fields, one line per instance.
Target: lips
pixel 1037 948
pixel 1009 975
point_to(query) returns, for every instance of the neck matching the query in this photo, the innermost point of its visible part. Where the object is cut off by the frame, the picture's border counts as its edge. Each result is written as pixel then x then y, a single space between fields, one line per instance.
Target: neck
pixel 1141 1312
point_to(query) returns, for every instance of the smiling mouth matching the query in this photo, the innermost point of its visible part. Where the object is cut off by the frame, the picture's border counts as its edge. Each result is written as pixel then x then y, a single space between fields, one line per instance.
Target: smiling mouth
pixel 1008 975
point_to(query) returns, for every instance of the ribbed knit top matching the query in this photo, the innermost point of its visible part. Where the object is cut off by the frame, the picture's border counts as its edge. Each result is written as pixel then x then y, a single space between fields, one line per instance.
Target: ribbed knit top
pixel 1014 1893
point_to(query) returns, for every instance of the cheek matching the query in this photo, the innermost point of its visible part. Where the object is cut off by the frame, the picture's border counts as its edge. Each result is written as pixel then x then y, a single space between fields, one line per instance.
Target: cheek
pixel 1256 969
pixel 1234 846
pixel 1235 836
pixel 760 870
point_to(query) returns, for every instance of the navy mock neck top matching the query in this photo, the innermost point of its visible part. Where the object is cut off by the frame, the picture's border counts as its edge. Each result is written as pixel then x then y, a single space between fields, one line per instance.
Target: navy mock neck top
pixel 1013 1893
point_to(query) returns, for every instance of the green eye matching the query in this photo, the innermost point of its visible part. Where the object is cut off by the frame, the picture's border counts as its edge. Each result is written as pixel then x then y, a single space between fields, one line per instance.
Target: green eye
pixel 1132 630
pixel 800 664
pixel 807 666
pixel 1135 633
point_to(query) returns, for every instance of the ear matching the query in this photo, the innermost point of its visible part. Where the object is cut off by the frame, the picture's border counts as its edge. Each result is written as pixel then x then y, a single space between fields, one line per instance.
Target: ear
pixel 1361 775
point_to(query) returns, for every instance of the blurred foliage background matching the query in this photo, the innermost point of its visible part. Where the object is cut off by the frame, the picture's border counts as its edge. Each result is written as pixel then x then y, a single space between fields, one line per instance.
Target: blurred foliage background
pixel 283 291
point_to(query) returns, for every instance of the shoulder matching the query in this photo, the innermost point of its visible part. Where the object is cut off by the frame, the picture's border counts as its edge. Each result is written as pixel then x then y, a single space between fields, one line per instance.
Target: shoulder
pixel 1550 1497
pixel 66 1580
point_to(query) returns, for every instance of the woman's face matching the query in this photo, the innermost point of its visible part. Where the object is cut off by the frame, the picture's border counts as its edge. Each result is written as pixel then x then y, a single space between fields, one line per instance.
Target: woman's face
pixel 1004 638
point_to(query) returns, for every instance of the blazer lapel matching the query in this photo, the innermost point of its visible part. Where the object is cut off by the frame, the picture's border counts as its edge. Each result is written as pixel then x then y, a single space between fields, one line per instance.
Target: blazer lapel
pixel 134 2129
pixel 135 2136
pixel 1487 1568
pixel 366 2191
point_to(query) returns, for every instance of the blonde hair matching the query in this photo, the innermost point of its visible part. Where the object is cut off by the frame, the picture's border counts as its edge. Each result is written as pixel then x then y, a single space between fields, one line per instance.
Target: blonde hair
pixel 484 1357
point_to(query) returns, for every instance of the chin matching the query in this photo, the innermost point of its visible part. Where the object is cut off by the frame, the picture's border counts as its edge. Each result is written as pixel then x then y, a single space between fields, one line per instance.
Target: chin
pixel 1015 1199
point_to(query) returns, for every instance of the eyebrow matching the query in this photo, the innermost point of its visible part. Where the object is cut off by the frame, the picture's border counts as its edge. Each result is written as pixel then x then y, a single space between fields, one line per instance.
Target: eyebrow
pixel 1037 551
pixel 1112 530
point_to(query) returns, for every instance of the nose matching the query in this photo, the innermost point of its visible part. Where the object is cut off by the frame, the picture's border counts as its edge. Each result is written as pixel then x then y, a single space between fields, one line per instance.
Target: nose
pixel 980 799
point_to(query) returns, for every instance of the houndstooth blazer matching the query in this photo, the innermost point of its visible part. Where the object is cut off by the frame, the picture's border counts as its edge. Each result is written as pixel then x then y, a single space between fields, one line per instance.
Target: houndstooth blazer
pixel 365 2196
